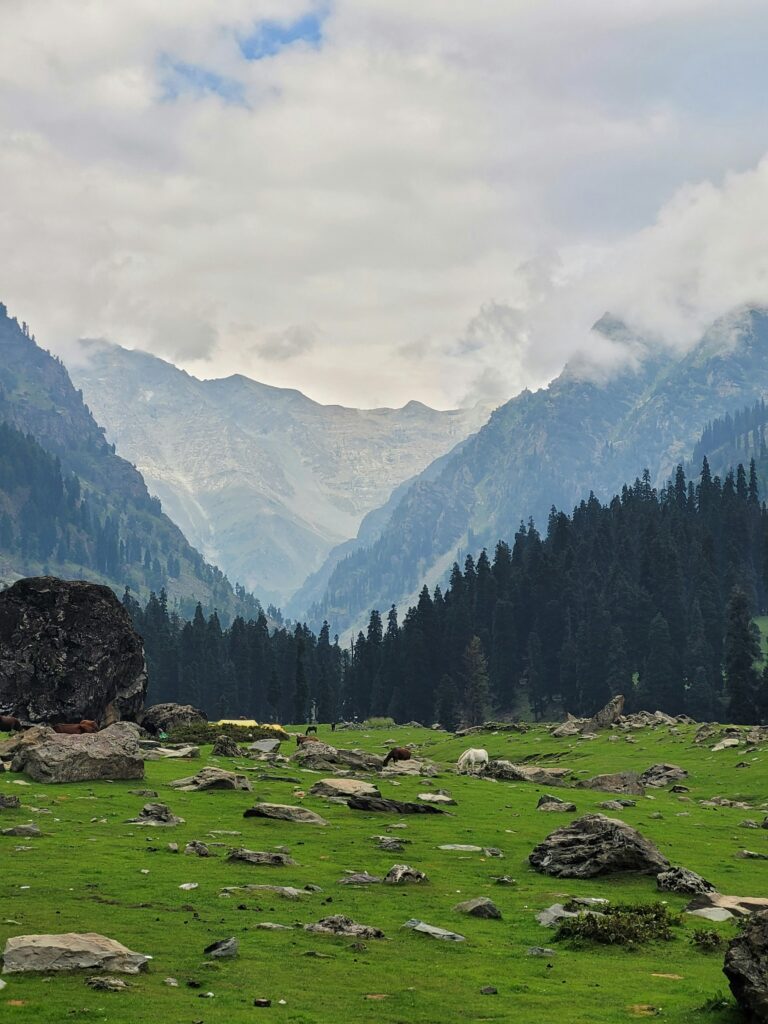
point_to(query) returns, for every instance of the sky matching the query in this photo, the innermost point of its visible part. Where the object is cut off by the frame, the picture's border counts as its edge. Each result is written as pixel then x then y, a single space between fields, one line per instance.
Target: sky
pixel 377 200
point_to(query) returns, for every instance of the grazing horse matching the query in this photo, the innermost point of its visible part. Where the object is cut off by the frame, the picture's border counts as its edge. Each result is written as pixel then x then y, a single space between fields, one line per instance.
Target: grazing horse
pixel 9 724
pixel 473 760
pixel 398 754
pixel 309 729
pixel 76 728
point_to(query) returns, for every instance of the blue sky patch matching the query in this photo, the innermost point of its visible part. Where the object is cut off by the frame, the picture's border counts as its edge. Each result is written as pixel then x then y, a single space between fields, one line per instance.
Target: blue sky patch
pixel 269 37
pixel 179 78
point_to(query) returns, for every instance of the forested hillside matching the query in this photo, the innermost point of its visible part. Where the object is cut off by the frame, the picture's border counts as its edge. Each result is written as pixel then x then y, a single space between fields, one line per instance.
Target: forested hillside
pixel 70 506
pixel 650 595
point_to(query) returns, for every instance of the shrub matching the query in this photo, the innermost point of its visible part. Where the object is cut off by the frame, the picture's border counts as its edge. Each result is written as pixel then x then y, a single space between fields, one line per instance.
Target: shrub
pixel 621 925
pixel 382 722
pixel 205 732
pixel 707 941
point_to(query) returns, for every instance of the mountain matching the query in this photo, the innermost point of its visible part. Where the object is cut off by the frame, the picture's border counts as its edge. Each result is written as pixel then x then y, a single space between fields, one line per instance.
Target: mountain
pixel 550 448
pixel 72 507
pixel 265 481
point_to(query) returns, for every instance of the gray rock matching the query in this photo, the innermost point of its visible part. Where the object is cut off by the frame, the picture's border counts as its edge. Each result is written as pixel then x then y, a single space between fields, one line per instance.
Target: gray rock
pixel 261 857
pixel 390 844
pixel 197 849
pixel 539 951
pixel 211 778
pixel 270 926
pixel 480 906
pixel 436 798
pixel 615 782
pixel 30 831
pixel 175 753
pixel 554 915
pixel 9 802
pixel 606 717
pixel 461 847
pixel 111 754
pixel 557 806
pixel 374 803
pixel 68 652
pixel 509 772
pixel 225 746
pixel 746 968
pixel 596 845
pixel 156 816
pixel 732 906
pixel 338 924
pixel 103 983
pixel 167 717
pixel 286 892
pixel 343 788
pixel 402 874
pixel 70 951
pixel 285 812
pixel 433 931
pixel 659 775
pixel 360 878
pixel 264 746
pixel 683 881
pixel 224 949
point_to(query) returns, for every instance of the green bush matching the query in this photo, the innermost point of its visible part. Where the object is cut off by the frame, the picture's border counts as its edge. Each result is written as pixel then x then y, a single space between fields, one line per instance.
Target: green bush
pixel 203 732
pixel 621 925
pixel 707 941
pixel 382 722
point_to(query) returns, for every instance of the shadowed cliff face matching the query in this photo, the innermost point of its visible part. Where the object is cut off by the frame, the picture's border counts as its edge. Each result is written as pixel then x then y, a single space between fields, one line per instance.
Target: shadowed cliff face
pixel 68 652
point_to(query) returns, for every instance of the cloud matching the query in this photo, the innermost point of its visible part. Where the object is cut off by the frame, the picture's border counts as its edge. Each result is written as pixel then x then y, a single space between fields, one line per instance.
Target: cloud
pixel 442 189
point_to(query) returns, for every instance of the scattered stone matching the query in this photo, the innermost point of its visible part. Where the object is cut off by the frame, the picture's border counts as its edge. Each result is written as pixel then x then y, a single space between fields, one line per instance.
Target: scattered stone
pixel 156 816
pixel 736 906
pixel 338 924
pixel 173 847
pixel 287 892
pixel 659 775
pixel 260 857
pixel 748 823
pixel 224 949
pixel 436 798
pixel 225 746
pixel 148 794
pixel 615 782
pixel 402 874
pixel 22 831
pixel 461 847
pixel 211 778
pixel 184 753
pixel 539 951
pixel 104 983
pixel 554 915
pixel 489 990
pixel 390 844
pixel 285 812
pixel 504 880
pixel 727 743
pixel 433 931
pixel 343 788
pixel 373 803
pixel 199 849
pixel 110 754
pixel 189 886
pixel 481 906
pixel 171 982
pixel 264 747
pixel 9 802
pixel 492 851
pixel 323 757
pixel 509 772
pixel 70 951
pixel 270 926
pixel 596 845
pixel 616 805
pixel 550 803
pixel 360 878
pixel 69 652
pixel 262 1002
pixel 681 880
pixel 751 855
pixel 680 789
pixel 746 967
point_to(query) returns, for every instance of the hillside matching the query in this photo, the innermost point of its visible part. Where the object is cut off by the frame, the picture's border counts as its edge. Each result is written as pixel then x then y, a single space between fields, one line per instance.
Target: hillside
pixel 550 448
pixel 72 507
pixel 263 480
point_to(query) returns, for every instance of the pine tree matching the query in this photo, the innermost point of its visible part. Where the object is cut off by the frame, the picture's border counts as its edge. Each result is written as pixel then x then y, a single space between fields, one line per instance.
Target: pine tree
pixel 661 684
pixel 448 714
pixel 741 651
pixel 476 683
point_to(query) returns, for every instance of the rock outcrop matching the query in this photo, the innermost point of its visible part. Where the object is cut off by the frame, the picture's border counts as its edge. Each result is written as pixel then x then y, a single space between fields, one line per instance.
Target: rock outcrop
pixel 112 754
pixel 746 968
pixel 507 771
pixel 343 788
pixel 166 717
pixel 211 778
pixel 659 775
pixel 285 812
pixel 70 951
pixel 374 803
pixel 596 845
pixel 683 881
pixel 68 652
pixel 615 782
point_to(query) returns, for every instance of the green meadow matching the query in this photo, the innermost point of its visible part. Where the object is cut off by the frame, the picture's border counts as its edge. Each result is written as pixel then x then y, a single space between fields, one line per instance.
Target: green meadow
pixel 92 871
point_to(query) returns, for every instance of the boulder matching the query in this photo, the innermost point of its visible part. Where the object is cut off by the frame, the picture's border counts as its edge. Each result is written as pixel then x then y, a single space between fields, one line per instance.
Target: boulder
pixel 361 878
pixel 180 753
pixel 211 778
pixel 338 924
pixel 156 815
pixel 343 788
pixel 596 845
pixel 259 857
pixel 507 771
pixel 112 753
pixel 224 949
pixel 481 906
pixel 225 746
pixel 683 881
pixel 606 717
pixel 323 757
pixel 9 802
pixel 196 848
pixel 30 831
pixel 746 968
pixel 570 727
pixel 413 766
pixel 68 651
pixel 730 906
pixel 659 775
pixel 436 798
pixel 285 812
pixel 402 874
pixel 264 747
pixel 615 782
pixel 378 803
pixel 286 892
pixel 727 743
pixel 71 951
pixel 166 717
pixel 556 806
pixel 433 931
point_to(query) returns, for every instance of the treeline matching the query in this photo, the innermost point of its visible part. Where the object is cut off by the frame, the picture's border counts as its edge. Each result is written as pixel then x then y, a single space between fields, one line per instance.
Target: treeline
pixel 50 522
pixel 651 595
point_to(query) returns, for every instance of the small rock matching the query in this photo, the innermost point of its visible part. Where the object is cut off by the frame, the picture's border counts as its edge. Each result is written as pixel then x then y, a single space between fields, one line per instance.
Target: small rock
pixel 198 849
pixel 262 1002
pixel 539 951
pixel 106 984
pixel 433 931
pixel 489 990
pixel 188 886
pixel 401 874
pixel 223 949
pixel 481 906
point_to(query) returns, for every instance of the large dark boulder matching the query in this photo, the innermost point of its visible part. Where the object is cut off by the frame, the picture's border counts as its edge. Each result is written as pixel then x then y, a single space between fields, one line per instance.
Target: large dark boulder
pixel 68 651
pixel 167 717
pixel 596 845
pixel 746 968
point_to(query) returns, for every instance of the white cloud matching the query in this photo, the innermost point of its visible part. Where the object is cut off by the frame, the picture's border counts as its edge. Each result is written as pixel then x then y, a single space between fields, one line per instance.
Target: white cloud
pixel 445 191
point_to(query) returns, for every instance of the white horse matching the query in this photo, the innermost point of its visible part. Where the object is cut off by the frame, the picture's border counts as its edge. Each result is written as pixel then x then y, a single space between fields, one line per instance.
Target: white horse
pixel 473 761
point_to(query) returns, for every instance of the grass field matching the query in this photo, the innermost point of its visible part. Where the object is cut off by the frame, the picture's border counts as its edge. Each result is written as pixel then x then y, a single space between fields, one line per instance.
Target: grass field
pixel 85 874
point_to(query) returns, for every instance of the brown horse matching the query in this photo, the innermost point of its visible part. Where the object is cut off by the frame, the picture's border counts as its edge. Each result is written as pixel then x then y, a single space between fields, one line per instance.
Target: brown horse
pixel 76 728
pixel 9 724
pixel 398 754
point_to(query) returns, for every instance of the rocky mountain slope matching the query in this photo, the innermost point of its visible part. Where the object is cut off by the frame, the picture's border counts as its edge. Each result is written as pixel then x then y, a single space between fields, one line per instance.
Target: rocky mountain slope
pixel 263 480
pixel 550 448
pixel 70 506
